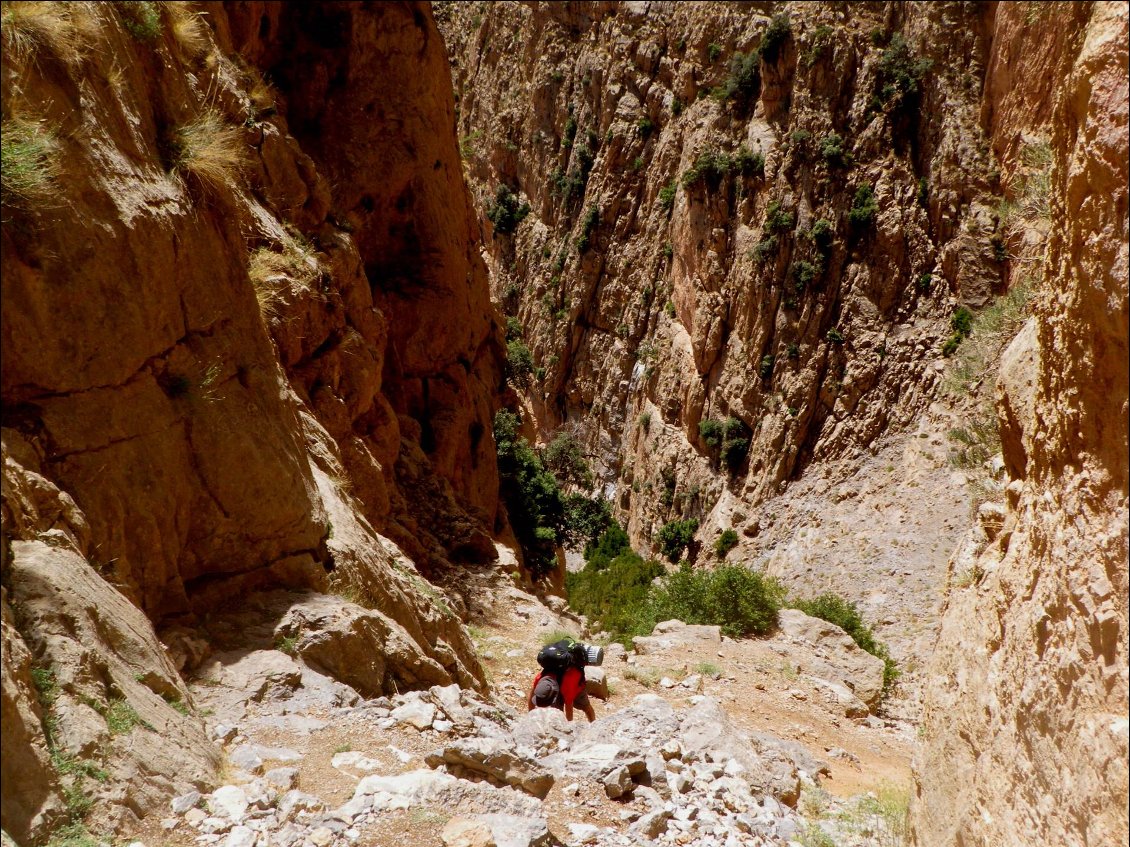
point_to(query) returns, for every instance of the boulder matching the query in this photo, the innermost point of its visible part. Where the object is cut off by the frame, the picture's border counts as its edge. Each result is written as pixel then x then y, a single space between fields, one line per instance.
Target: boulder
pixel 596 682
pixel 825 651
pixel 669 635
pixel 429 787
pixel 467 832
pixel 496 759
pixel 415 713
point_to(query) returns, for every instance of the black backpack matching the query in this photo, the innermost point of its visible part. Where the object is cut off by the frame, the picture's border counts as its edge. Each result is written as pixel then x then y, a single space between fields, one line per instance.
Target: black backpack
pixel 558 657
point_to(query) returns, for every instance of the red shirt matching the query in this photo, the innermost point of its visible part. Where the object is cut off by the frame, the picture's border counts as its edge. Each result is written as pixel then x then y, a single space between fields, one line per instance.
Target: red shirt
pixel 572 684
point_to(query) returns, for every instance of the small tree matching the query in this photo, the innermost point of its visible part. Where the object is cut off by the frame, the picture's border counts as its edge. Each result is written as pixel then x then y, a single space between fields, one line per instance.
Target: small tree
pixel 726 542
pixel 675 536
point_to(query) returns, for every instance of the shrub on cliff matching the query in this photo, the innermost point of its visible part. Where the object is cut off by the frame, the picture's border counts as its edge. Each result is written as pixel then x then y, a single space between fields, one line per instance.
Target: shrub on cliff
pixel 863 208
pixel 565 457
pixel 774 38
pixel 744 81
pixel 675 536
pixel 726 542
pixel 28 162
pixel 209 151
pixel 614 585
pixel 532 495
pixel 519 361
pixel 505 213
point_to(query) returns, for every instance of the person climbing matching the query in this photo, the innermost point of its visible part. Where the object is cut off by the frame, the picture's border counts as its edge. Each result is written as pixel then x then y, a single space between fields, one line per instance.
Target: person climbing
pixel 561 682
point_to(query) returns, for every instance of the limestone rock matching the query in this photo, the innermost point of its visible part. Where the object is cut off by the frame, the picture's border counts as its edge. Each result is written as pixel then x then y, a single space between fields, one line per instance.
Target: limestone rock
pixel 831 655
pixel 496 759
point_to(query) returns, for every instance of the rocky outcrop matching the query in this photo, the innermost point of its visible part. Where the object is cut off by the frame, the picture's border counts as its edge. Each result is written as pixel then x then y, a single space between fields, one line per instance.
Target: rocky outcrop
pixel 1025 727
pixel 247 345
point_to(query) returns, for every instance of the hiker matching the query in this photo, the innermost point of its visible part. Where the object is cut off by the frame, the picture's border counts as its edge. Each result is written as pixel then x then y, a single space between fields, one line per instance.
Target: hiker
pixel 561 682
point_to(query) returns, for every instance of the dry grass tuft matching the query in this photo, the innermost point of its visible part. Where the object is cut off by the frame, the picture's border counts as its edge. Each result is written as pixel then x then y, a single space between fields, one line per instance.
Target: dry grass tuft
pixel 276 272
pixel 64 30
pixel 210 151
pixel 29 163
pixel 188 28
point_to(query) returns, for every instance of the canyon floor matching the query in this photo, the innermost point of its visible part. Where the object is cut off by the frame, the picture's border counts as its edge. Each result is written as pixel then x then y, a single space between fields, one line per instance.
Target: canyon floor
pixel 300 746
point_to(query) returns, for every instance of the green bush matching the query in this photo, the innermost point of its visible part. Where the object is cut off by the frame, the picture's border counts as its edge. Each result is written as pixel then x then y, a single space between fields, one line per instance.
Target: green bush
pixel 736 443
pixel 739 600
pixel 898 84
pixel 613 586
pixel 844 614
pixel 710 167
pixel 519 361
pixel 505 213
pixel 743 83
pixel 924 283
pixel 667 196
pixel 832 150
pixel 586 518
pixel 748 163
pixel 141 19
pixel 570 131
pixel 766 369
pixel 675 536
pixel 726 542
pixel 778 217
pixel 822 235
pixel 565 457
pixel 532 495
pixel 803 273
pixel 774 38
pixel 835 336
pixel 863 207
pixel 713 51
pixel 588 226
pixel 962 325
pixel 513 328
pixel 644 126
pixel 710 431
pixel 28 162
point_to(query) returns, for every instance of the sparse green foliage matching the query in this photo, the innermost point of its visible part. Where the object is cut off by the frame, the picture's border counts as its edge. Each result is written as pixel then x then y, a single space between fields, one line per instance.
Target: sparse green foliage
pixel 564 455
pixel 675 536
pixel 710 167
pixel 778 218
pixel 121 717
pixel 519 361
pixel 835 336
pixel 748 163
pixel 287 644
pixel 585 519
pixel 833 152
pixel 766 368
pixel 667 196
pixel 962 325
pixel 863 208
pixel 505 213
pixel 923 195
pixel 513 328
pixel 774 38
pixel 569 132
pixel 726 542
pixel 744 81
pixel 844 614
pixel 924 283
pixel 713 51
pixel 588 226
pixel 818 42
pixel 669 309
pixel 644 126
pixel 764 248
pixel 899 81
pixel 28 162
pixel 735 443
pixel 531 493
pixel 822 235
pixel 676 106
pixel 142 19
pixel 803 273
pixel 644 421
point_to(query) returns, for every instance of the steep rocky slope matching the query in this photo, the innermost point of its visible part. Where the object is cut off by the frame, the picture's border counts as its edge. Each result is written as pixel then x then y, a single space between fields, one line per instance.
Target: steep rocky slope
pixel 1026 737
pixel 247 343
pixel 691 255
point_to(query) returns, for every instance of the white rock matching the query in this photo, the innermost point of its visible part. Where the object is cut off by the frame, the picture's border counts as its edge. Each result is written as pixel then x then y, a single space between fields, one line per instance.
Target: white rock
pixel 321 837
pixel 356 761
pixel 440 725
pixel 228 801
pixel 240 836
pixel 666 682
pixel 415 713
pixel 185 802
pixel 282 778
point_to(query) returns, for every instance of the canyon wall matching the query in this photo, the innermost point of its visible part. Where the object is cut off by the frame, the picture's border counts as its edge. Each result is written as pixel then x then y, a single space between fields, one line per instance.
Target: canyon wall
pixel 247 344
pixel 690 259
pixel 1025 729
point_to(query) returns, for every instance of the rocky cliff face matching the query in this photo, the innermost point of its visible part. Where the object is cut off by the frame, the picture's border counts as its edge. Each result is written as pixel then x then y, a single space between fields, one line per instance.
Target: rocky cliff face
pixel 247 343
pixel 701 302
pixel 1025 727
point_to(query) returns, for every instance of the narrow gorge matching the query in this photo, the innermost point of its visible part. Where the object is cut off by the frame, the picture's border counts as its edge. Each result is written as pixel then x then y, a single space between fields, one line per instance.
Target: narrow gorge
pixel 353 351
